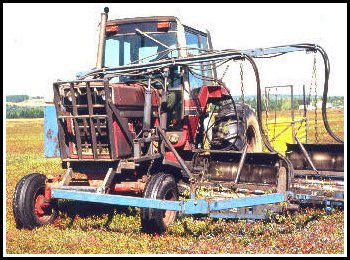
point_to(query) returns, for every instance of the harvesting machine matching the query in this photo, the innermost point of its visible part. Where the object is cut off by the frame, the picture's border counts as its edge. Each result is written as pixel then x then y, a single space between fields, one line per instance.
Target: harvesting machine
pixel 152 126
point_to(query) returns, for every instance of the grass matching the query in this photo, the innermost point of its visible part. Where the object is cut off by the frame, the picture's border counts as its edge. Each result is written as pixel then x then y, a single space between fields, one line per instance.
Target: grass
pixel 335 118
pixel 86 228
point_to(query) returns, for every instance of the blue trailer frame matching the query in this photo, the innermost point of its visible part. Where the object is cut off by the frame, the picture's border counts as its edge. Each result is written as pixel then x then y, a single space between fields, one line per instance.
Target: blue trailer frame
pixel 190 206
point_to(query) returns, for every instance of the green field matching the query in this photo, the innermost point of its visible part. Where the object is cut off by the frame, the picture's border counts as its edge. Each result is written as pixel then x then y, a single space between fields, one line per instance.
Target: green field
pixel 84 228
pixel 335 117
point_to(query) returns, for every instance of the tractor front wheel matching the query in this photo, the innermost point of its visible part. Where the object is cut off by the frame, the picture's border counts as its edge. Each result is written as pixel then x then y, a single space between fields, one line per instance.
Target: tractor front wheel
pixel 29 206
pixel 160 186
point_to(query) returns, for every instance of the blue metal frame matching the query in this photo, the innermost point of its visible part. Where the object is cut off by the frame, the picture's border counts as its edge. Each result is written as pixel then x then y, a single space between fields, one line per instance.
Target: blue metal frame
pixel 51 147
pixel 191 206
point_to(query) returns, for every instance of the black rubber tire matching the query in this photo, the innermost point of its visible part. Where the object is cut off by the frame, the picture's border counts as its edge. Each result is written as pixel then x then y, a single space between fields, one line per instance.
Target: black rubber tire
pixel 23 202
pixel 252 128
pixel 160 186
pixel 253 133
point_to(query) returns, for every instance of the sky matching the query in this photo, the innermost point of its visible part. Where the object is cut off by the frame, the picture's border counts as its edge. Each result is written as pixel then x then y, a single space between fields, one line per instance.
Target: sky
pixel 46 42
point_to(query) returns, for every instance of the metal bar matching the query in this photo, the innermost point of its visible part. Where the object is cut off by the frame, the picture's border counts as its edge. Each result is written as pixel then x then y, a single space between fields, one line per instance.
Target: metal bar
pixel 61 136
pixel 122 124
pixel 178 157
pixel 164 100
pixel 292 113
pixel 236 54
pixel 83 116
pixel 285 129
pixel 320 176
pixel 89 126
pixel 76 126
pixel 116 199
pixel 237 216
pixel 108 180
pixel 286 86
pixel 241 162
pixel 98 123
pixel 78 81
pixel 67 177
pixel 95 106
pixel 230 152
pixel 101 38
pixel 90 160
pixel 147 107
pixel 287 122
pixel 246 202
pixel 147 157
pixel 109 122
pixel 151 38
pixel 305 154
pixel 85 126
pixel 92 126
pixel 210 45
pixel 79 188
pixel 188 207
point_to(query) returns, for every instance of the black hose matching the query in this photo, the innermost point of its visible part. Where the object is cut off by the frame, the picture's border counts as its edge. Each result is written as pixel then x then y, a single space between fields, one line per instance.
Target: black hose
pixel 325 89
pixel 262 132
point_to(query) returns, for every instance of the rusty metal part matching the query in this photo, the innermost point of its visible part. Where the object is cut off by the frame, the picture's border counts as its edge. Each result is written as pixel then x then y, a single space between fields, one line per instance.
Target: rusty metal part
pixel 292 207
pixel 325 157
pixel 137 187
pixel 241 162
pixel 250 173
pixel 282 180
pixel 178 157
pixel 305 154
pixel 47 193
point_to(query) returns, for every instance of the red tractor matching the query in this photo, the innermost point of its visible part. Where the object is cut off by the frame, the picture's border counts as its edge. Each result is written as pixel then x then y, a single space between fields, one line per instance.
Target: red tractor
pixel 153 127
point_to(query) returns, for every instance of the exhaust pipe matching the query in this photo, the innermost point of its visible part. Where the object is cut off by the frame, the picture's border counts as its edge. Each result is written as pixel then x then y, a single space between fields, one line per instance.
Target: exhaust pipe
pixel 147 107
pixel 102 38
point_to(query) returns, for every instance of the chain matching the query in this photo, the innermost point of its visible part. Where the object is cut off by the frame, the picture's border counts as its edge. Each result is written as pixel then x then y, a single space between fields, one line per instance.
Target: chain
pixel 275 117
pixel 266 110
pixel 223 75
pixel 314 81
pixel 242 97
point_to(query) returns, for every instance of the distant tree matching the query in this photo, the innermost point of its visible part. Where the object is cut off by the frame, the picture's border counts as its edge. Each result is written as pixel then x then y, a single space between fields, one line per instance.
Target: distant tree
pixel 16 98
pixel 24 112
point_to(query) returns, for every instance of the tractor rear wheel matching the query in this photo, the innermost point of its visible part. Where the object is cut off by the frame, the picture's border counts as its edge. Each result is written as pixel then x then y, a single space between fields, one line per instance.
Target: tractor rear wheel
pixel 227 135
pixel 29 206
pixel 160 186
pixel 252 133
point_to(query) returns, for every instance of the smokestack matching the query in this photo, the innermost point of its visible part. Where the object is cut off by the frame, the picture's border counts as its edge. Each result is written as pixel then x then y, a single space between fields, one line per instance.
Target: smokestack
pixel 102 38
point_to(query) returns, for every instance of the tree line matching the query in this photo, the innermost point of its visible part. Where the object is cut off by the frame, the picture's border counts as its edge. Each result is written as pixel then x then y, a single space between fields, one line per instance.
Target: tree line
pixel 16 98
pixel 13 111
pixel 285 103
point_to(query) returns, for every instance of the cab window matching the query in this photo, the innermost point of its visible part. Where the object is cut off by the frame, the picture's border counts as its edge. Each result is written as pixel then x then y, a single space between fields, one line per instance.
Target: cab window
pixel 197 43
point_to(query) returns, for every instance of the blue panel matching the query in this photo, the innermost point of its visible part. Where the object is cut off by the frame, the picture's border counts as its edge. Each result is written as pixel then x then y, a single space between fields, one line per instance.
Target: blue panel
pixel 196 207
pixel 51 146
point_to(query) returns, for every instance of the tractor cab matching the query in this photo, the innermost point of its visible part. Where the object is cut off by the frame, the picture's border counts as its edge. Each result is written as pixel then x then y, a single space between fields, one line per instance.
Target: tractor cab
pixel 150 39
pixel 145 40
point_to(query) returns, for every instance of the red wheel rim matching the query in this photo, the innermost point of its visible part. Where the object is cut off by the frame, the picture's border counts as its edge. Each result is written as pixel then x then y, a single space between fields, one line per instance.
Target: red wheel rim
pixel 169 215
pixel 42 209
